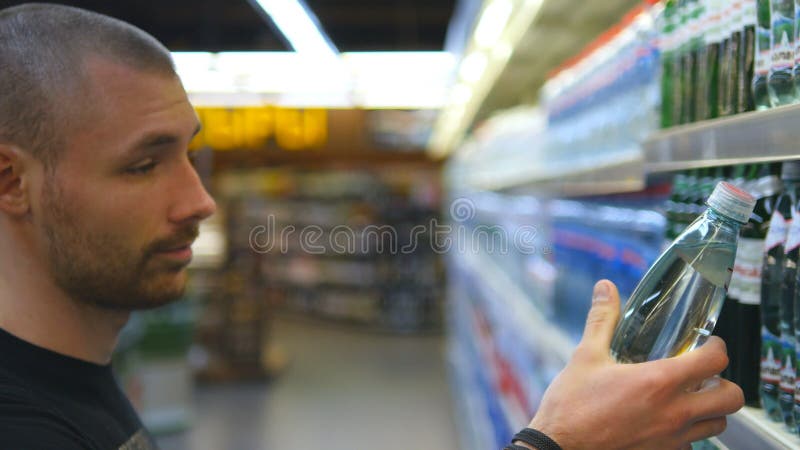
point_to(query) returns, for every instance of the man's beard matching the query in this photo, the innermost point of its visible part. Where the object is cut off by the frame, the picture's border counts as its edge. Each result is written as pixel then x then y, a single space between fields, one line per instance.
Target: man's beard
pixel 99 269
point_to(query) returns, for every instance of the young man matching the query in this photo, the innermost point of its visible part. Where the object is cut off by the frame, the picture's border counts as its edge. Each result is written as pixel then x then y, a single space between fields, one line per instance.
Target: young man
pixel 99 205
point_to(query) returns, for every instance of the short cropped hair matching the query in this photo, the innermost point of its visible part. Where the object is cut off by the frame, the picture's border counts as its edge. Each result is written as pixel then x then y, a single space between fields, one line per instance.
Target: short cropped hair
pixel 43 50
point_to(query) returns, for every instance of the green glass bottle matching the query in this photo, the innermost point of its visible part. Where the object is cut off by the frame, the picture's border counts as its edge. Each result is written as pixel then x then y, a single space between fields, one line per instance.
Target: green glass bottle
pixel 668 38
pixel 747 51
pixel 763 55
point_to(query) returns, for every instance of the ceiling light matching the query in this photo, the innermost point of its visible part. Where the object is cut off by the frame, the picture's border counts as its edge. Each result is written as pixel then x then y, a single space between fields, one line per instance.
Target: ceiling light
pixel 492 22
pixel 299 25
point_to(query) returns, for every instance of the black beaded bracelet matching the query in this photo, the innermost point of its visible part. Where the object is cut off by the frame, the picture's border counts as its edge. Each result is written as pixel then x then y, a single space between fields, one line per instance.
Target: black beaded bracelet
pixel 537 439
pixel 515 447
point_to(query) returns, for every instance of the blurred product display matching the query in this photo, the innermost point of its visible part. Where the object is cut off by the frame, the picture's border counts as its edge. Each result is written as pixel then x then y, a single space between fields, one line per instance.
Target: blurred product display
pixel 340 244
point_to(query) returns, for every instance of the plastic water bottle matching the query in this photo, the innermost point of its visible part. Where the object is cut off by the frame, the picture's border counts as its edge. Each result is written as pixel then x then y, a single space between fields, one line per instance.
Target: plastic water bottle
pixel 675 306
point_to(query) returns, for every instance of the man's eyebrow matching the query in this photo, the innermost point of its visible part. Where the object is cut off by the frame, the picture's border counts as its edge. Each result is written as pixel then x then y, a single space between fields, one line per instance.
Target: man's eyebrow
pixel 162 139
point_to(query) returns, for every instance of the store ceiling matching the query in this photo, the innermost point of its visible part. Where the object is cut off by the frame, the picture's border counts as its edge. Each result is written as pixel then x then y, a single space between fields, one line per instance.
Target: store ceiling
pixel 560 30
pixel 228 25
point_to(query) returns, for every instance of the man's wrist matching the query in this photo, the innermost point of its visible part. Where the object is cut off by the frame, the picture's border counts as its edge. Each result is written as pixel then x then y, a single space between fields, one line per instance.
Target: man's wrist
pixel 524 444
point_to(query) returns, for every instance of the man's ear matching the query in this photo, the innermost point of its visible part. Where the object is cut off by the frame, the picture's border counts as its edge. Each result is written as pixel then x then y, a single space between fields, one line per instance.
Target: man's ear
pixel 14 194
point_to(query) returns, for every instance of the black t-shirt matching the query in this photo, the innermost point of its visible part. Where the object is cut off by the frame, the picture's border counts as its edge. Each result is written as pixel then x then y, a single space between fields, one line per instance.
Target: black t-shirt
pixel 49 401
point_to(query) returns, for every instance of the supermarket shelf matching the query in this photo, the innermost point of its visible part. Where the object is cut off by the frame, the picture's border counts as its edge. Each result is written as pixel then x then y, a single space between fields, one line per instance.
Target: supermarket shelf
pixel 528 320
pixel 750 429
pixel 580 176
pixel 760 136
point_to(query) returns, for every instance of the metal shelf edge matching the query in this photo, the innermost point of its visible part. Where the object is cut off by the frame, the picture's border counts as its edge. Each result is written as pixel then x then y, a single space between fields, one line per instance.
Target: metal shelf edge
pixel 749 429
pixel 757 136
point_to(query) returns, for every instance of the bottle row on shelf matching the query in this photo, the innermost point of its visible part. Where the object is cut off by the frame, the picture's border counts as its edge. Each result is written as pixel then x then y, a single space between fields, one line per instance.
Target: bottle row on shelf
pixel 721 58
pixel 760 319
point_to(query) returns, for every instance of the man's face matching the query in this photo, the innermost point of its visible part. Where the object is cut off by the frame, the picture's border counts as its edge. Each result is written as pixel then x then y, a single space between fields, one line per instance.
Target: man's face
pixel 124 202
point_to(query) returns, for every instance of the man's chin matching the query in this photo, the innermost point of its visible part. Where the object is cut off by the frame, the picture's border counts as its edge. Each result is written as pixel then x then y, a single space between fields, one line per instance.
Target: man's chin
pixel 152 296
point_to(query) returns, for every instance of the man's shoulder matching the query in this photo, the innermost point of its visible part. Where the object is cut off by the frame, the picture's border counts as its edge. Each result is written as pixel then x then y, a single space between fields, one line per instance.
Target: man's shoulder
pixel 27 422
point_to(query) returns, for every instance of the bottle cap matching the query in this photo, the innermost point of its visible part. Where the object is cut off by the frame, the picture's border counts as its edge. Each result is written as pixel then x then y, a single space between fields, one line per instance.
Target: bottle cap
pixel 732 202
pixel 790 170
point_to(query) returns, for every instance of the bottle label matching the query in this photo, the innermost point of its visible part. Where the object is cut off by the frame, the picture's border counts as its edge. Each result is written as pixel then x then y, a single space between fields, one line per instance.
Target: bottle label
pixel 782 40
pixel 771 351
pixel 778 228
pixel 746 278
pixel 749 14
pixel 788 373
pixel 793 235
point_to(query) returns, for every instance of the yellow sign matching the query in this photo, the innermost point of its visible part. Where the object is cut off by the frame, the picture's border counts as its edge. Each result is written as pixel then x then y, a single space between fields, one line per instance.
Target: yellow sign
pixel 251 128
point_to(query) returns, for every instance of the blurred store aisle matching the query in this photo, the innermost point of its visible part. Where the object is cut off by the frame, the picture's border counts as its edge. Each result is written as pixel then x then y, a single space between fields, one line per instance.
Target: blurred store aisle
pixel 344 388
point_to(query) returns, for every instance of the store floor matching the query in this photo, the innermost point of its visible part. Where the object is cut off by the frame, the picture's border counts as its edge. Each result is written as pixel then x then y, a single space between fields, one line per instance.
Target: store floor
pixel 343 390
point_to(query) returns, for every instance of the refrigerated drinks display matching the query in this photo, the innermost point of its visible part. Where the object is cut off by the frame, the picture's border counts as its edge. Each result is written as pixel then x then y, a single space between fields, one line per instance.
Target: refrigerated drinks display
pixel 591 226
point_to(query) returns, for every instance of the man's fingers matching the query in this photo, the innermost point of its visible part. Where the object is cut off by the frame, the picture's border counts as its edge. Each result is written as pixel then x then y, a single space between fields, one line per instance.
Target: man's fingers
pixel 706 429
pixel 698 365
pixel 602 320
pixel 719 397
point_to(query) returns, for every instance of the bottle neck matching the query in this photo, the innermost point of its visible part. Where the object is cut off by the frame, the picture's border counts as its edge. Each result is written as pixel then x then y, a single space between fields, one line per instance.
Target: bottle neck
pixel 716 216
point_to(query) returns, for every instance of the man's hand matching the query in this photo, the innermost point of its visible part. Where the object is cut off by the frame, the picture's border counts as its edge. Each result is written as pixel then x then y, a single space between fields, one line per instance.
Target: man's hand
pixel 595 403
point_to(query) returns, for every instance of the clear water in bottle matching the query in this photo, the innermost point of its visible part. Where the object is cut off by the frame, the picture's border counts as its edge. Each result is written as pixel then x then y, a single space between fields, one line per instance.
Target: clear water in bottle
pixel 675 306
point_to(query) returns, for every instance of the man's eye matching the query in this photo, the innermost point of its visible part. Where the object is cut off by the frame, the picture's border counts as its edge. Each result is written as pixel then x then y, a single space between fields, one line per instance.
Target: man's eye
pixel 141 169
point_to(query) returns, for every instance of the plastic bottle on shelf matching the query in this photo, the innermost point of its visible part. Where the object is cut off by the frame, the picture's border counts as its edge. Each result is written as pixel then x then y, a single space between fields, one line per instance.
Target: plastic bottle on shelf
pixel 747 49
pixel 675 306
pixel 771 348
pixel 763 55
pixel 787 205
pixel 781 73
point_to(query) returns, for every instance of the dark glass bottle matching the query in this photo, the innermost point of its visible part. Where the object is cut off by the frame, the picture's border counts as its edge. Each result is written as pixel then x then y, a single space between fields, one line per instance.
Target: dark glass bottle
pixel 668 38
pixel 734 33
pixel 747 50
pixel 689 62
pixel 727 322
pixel 771 348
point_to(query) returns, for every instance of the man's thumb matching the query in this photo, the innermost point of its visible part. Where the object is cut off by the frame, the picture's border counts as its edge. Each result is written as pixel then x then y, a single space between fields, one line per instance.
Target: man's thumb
pixel 602 319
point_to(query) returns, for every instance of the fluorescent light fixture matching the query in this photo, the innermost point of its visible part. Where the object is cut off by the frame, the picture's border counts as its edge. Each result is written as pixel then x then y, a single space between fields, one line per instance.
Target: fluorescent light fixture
pixel 472 67
pixel 372 80
pixel 492 22
pixel 299 25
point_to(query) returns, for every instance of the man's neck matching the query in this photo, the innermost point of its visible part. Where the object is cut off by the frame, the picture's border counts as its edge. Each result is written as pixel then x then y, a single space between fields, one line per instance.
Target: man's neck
pixel 35 309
